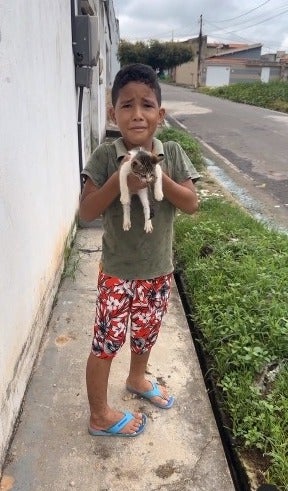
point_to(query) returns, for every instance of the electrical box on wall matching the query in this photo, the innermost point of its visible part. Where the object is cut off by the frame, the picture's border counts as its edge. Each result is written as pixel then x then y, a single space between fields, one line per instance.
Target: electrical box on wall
pixel 83 76
pixel 86 40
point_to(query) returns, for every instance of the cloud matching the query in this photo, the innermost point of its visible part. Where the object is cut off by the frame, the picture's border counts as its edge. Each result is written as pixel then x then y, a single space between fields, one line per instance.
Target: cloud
pixel 229 20
pixel 284 43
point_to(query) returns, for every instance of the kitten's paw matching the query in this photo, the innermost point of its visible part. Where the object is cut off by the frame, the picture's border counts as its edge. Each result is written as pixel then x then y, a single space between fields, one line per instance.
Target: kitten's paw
pixel 126 225
pixel 159 195
pixel 148 227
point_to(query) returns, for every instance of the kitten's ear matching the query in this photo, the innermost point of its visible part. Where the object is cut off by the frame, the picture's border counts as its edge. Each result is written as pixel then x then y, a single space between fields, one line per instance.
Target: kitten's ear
pixel 156 159
pixel 132 153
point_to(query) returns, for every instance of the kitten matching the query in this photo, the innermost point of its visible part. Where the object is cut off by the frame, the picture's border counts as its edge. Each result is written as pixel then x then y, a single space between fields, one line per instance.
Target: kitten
pixel 145 165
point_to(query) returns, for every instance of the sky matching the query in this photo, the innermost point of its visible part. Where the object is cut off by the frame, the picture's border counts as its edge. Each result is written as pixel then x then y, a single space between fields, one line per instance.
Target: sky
pixel 226 21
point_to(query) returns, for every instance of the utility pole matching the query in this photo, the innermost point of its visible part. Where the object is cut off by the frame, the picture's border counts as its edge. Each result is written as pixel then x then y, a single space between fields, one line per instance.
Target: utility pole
pixel 199 53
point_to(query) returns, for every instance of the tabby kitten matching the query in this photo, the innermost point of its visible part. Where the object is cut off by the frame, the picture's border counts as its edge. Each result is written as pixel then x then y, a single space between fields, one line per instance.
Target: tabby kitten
pixel 144 165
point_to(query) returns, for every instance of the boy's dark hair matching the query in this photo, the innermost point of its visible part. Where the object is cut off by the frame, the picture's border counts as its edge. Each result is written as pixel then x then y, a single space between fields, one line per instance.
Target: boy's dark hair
pixel 136 72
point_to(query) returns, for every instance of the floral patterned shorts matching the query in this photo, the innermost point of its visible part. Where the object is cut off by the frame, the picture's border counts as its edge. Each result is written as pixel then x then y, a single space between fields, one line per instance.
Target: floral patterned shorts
pixel 144 302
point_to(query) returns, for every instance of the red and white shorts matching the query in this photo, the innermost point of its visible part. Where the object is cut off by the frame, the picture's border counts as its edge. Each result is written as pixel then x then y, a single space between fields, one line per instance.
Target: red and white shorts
pixel 144 302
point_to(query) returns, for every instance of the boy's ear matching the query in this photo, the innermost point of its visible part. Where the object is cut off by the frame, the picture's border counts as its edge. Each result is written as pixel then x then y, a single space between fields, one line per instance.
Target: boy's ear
pixel 162 113
pixel 111 112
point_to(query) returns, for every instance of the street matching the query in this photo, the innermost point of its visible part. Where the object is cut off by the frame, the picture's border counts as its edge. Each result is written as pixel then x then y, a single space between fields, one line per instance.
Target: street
pixel 247 145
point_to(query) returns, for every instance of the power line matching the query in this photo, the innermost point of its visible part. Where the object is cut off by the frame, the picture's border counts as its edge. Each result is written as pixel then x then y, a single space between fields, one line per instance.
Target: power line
pixel 268 18
pixel 245 13
pixel 257 18
pixel 228 31
pixel 251 25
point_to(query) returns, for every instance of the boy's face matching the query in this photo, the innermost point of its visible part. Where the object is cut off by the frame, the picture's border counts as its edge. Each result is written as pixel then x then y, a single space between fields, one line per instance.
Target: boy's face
pixel 137 114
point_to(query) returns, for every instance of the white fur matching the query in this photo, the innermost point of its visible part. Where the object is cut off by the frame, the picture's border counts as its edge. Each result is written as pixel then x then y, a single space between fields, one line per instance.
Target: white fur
pixel 125 195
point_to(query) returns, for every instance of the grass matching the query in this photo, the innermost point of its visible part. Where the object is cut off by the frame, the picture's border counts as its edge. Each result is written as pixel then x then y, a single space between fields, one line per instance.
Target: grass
pixel 190 146
pixel 235 274
pixel 271 95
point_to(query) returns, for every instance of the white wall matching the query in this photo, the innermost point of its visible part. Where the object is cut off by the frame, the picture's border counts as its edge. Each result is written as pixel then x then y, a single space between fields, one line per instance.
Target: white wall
pixel 39 182
pixel 104 73
pixel 39 173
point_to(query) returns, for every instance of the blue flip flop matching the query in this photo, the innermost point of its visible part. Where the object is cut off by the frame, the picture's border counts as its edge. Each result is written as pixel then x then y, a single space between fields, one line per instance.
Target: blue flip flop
pixel 152 393
pixel 115 430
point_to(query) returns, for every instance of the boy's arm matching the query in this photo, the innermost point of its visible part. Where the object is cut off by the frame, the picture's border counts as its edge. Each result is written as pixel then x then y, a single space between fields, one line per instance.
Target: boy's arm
pixel 95 200
pixel 183 195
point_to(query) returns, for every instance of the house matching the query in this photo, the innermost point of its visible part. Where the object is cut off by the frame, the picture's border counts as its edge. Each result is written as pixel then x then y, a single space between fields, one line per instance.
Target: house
pixel 190 73
pixel 223 64
pixel 281 57
pixel 53 113
pixel 240 65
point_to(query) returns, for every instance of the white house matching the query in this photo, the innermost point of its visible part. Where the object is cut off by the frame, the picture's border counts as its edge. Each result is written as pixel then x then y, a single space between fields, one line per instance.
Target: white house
pixel 39 171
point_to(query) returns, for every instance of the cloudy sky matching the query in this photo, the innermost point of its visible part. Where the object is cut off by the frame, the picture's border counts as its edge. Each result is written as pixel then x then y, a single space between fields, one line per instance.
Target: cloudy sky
pixel 246 21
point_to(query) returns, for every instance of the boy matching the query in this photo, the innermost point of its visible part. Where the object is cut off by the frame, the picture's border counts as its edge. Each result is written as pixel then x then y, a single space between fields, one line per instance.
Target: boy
pixel 136 270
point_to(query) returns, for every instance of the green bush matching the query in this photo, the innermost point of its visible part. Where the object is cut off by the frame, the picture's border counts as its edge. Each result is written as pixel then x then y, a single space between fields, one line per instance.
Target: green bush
pixel 189 145
pixel 239 294
pixel 272 95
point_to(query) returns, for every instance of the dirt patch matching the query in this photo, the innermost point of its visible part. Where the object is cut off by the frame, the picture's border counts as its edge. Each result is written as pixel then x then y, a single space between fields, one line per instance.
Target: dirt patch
pixel 255 465
pixel 166 470
pixel 64 339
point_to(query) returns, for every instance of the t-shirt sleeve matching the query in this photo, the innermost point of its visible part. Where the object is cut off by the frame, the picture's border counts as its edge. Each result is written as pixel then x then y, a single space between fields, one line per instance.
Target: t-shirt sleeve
pixel 97 166
pixel 182 167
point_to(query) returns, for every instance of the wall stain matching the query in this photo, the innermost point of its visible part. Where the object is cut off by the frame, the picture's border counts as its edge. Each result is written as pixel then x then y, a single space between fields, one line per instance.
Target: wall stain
pixel 7 483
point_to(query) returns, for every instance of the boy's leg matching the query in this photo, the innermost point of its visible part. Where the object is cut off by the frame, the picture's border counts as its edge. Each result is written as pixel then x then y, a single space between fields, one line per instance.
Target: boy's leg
pixel 102 416
pixel 149 305
pixel 137 380
pixel 109 335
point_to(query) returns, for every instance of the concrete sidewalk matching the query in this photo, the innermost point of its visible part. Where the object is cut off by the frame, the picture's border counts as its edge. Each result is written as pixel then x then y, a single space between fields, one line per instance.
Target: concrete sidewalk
pixel 180 449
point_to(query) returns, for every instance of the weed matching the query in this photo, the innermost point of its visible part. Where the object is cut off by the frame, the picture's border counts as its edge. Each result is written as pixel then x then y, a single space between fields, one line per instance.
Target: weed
pixel 71 260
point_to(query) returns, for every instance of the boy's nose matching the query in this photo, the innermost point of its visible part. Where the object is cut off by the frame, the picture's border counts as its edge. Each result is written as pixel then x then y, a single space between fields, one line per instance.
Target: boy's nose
pixel 137 113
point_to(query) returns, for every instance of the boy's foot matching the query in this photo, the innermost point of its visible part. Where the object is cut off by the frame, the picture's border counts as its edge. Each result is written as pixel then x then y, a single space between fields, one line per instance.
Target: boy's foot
pixel 117 423
pixel 156 394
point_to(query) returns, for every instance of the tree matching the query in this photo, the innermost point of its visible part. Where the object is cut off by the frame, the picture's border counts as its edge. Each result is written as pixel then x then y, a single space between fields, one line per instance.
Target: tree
pixel 162 56
pixel 132 52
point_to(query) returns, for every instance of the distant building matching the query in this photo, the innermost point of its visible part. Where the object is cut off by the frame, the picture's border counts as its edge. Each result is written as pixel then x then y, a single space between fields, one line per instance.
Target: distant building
pixel 228 63
pixel 241 65
pixel 191 73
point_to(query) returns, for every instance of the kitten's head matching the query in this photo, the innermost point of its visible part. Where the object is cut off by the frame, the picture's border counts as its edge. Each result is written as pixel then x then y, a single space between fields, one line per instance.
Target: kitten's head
pixel 143 164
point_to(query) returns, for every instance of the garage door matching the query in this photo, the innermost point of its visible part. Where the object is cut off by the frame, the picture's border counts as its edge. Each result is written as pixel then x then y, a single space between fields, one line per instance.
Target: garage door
pixel 265 74
pixel 217 76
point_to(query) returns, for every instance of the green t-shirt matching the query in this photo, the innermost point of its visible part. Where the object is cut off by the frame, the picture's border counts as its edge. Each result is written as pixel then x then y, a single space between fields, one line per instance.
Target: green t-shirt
pixel 135 254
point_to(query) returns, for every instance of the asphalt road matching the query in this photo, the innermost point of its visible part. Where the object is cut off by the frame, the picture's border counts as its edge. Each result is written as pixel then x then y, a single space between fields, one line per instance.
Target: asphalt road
pixel 245 145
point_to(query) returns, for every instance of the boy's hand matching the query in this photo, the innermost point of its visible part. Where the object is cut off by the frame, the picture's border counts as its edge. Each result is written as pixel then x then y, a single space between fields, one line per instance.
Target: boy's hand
pixel 133 182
